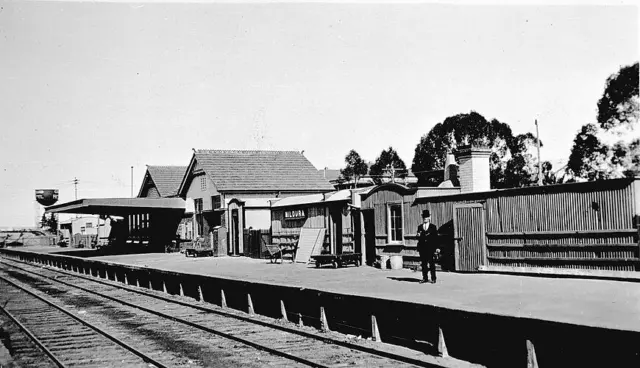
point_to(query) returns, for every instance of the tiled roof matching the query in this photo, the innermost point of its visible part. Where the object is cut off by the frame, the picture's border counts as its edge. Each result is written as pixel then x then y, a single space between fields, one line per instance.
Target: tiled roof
pixel 167 178
pixel 260 170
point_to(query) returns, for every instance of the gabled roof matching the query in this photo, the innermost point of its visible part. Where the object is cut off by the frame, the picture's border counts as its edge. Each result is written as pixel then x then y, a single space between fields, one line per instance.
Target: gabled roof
pixel 237 170
pixel 166 179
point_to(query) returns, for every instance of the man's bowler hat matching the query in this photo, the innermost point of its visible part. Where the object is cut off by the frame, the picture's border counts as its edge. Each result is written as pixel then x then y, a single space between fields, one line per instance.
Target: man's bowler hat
pixel 426 213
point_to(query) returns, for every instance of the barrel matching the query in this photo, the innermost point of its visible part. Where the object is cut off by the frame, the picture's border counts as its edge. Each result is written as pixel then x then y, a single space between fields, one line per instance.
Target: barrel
pixel 384 260
pixel 396 262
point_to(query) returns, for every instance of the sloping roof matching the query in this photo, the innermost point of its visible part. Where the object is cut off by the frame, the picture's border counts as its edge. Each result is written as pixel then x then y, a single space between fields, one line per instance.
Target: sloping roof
pixel 339 196
pixel 118 206
pixel 298 200
pixel 260 170
pixel 167 179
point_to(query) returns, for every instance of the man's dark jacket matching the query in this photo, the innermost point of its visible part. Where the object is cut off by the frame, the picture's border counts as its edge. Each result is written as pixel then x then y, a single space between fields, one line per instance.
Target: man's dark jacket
pixel 427 238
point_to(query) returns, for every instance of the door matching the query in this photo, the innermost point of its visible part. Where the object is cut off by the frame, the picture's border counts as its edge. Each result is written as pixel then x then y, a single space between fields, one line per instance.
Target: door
pixel 357 238
pixel 336 229
pixel 469 234
pixel 369 236
pixel 235 226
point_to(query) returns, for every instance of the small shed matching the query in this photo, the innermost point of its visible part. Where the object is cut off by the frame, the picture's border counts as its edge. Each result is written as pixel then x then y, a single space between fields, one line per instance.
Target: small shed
pixel 390 219
pixel 330 211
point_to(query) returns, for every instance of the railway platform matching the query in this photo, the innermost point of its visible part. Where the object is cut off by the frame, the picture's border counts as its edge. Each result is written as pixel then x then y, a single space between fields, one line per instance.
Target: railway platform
pixel 489 319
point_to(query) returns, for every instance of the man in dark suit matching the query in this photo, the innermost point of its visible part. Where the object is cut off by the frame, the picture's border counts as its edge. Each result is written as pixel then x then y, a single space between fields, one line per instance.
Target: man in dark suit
pixel 427 245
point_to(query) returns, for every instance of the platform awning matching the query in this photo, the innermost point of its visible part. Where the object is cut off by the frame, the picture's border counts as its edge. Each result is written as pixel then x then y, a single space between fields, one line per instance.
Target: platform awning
pixel 119 206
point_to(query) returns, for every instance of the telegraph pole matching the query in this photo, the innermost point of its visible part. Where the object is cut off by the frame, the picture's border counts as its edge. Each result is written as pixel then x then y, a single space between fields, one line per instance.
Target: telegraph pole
pixel 539 162
pixel 131 181
pixel 75 184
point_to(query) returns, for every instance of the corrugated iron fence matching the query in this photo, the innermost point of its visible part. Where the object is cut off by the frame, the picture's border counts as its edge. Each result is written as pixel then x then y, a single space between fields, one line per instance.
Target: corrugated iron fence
pixel 578 226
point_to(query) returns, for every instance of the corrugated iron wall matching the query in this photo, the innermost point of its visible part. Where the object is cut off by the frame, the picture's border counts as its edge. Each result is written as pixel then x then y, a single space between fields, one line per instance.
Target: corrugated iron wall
pixel 591 229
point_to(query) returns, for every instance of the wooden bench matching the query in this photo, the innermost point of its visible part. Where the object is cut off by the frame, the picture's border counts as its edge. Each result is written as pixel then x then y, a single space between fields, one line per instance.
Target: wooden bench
pixel 279 251
pixel 338 260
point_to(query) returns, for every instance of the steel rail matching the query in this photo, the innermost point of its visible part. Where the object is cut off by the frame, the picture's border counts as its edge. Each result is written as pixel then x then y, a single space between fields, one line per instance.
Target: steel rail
pixel 195 325
pixel 284 328
pixel 33 338
pixel 140 354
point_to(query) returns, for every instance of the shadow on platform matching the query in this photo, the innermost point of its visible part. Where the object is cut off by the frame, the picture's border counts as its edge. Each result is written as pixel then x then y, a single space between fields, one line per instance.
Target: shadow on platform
pixel 405 279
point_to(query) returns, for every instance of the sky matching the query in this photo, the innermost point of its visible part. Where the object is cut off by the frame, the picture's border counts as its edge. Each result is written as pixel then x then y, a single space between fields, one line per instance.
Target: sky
pixel 90 89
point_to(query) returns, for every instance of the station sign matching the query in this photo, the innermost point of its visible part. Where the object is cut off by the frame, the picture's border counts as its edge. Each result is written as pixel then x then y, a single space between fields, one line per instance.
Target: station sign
pixel 295 214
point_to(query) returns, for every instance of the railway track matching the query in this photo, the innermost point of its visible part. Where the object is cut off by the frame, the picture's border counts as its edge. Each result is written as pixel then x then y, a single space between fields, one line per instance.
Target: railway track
pixel 286 346
pixel 58 338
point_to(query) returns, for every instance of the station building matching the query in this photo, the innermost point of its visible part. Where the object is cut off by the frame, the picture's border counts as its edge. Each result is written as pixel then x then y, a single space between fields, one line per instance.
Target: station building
pixel 228 191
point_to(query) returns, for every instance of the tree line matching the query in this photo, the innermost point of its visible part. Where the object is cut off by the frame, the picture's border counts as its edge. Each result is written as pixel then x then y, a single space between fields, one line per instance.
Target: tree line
pixel 609 148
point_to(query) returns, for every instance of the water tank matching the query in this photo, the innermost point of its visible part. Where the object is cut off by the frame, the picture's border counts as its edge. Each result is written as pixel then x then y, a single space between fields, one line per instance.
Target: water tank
pixel 47 197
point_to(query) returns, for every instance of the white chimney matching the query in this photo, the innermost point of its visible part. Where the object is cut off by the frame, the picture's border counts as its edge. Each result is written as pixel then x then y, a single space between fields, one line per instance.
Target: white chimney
pixel 474 168
pixel 451 169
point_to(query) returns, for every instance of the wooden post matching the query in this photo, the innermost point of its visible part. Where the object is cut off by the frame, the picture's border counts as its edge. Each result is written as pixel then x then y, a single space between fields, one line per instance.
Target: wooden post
pixel 300 323
pixel 532 361
pixel 106 274
pixel 137 282
pixel 200 295
pixel 126 282
pixel 442 346
pixel 363 240
pixel 250 305
pixel 375 333
pixel 164 287
pixel 115 276
pixel 181 290
pixel 223 300
pixel 283 312
pixel 324 326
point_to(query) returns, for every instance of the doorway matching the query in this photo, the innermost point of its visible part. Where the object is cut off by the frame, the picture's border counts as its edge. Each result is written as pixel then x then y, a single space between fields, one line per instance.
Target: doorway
pixel 336 229
pixel 235 228
pixel 369 236
pixel 470 237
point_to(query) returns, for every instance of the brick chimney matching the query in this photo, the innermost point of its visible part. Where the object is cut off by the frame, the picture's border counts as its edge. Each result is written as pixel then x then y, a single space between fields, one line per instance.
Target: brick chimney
pixel 474 168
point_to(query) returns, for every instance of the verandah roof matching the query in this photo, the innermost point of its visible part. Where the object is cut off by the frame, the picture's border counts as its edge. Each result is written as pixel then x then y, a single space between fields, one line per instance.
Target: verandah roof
pixel 118 206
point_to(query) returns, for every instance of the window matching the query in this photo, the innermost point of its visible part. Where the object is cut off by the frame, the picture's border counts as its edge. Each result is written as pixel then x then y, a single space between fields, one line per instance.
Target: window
pixel 395 223
pixel 203 183
pixel 197 204
pixel 216 202
pixel 89 225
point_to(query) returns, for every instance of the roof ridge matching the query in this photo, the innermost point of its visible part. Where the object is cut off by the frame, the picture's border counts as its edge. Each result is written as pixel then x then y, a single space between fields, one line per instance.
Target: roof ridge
pixel 243 151
pixel 177 166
